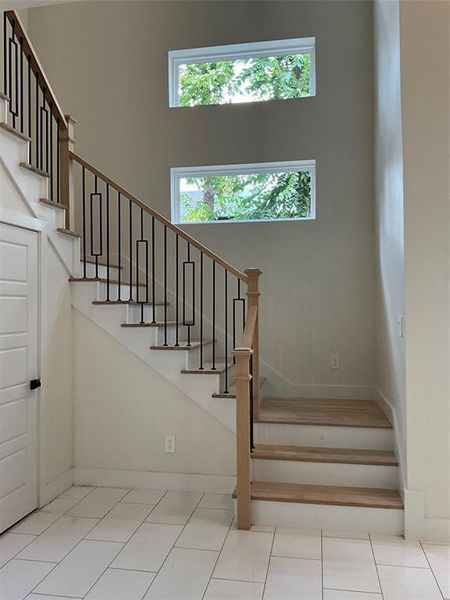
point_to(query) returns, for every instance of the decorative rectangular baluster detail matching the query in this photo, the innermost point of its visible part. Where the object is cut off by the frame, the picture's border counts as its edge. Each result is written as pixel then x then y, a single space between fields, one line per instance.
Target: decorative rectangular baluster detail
pixel 83 192
pixel 119 249
pixel 225 302
pixel 236 302
pixel 188 265
pixel 213 367
pixel 165 285
pixel 130 240
pixel 96 226
pixel 177 316
pixel 107 241
pixel 142 291
pixel 153 269
pixel 201 312
pixel 43 114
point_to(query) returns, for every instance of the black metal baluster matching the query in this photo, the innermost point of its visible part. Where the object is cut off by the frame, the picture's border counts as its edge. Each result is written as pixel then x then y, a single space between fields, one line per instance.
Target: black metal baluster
pixel 58 191
pixel 21 85
pixel 130 219
pixel 51 151
pixel 153 270
pixel 13 98
pixel 235 301
pixel 165 285
pixel 107 242
pixel 30 145
pixel 119 255
pixel 37 121
pixel 252 444
pixel 201 312
pixel 96 251
pixel 213 368
pixel 225 391
pixel 84 219
pixel 5 54
pixel 176 292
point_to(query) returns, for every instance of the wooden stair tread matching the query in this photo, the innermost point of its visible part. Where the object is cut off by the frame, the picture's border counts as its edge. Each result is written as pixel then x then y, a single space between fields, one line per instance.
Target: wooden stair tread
pixel 52 204
pixel 326 494
pixel 14 131
pixel 232 392
pixel 147 324
pixel 208 370
pixel 35 170
pixel 132 302
pixel 193 346
pixel 104 280
pixel 325 455
pixel 68 232
pixel 320 411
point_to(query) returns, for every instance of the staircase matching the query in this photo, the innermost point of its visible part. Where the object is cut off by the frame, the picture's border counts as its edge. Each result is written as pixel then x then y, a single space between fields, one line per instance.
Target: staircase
pixel 194 318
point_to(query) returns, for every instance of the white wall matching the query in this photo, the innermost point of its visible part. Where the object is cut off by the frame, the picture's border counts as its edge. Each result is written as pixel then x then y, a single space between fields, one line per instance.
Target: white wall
pixel 424 43
pixel 123 410
pixel 389 227
pixel 107 62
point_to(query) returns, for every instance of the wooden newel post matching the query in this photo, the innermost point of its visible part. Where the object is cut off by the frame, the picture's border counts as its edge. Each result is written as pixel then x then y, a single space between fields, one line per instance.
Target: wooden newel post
pixel 243 466
pixel 66 191
pixel 253 294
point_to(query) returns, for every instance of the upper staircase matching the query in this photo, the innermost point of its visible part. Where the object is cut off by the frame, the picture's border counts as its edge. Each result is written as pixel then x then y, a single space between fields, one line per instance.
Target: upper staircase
pixel 195 318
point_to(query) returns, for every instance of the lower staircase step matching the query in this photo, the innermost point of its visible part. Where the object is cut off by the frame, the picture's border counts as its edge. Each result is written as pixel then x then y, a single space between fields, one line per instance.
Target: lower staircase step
pixel 325 455
pixel 182 346
pixel 232 390
pixel 208 369
pixel 326 494
pixel 320 411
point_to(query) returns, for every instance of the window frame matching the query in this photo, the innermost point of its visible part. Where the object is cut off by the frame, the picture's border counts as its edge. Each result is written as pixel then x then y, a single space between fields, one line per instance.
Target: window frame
pixel 178 173
pixel 177 58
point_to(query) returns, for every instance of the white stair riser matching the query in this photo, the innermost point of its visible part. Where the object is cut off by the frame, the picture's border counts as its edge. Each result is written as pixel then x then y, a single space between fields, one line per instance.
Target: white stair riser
pixel 134 314
pixel 323 516
pixel 102 271
pixel 289 471
pixel 320 435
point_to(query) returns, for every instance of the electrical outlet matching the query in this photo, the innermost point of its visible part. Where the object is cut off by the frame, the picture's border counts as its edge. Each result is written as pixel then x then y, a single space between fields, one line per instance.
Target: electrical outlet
pixel 169 444
pixel 335 362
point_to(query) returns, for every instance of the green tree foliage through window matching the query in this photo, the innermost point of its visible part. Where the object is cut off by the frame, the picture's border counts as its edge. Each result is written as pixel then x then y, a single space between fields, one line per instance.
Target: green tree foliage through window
pixel 246 197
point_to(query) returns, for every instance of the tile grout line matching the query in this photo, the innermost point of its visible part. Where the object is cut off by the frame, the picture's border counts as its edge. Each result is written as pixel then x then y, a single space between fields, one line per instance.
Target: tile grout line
pixel 268 563
pixel 431 569
pixel 218 556
pixel 321 563
pixel 72 549
pixel 175 541
pixel 376 566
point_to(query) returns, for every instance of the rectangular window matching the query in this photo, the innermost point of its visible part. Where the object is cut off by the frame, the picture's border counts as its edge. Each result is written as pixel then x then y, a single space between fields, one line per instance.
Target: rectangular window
pixel 252 192
pixel 251 72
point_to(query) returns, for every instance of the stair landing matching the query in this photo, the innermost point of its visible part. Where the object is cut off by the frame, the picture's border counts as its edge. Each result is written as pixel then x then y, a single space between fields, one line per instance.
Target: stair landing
pixel 319 411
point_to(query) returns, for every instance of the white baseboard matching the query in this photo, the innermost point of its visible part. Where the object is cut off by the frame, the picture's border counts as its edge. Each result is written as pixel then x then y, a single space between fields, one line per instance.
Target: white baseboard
pixel 57 486
pixel 195 482
pixel 420 527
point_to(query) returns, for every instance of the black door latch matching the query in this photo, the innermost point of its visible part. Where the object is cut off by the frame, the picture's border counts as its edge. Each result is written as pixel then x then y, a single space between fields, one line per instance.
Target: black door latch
pixel 34 384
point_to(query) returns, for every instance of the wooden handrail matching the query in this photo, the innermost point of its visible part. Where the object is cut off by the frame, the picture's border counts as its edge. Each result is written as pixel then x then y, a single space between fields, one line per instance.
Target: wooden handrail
pixel 217 259
pixel 36 66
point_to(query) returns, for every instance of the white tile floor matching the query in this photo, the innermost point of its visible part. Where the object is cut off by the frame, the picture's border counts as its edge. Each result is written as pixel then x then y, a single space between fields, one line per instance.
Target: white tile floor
pixel 118 544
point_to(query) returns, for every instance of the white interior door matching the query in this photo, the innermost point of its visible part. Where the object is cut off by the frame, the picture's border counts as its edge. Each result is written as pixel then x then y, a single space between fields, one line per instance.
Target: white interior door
pixel 18 366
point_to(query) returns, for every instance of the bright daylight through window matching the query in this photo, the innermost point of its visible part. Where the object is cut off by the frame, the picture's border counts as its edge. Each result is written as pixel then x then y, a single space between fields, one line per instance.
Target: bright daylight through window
pixel 251 72
pixel 258 192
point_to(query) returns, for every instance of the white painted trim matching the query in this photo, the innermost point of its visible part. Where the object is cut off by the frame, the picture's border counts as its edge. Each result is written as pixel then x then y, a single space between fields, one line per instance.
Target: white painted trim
pixel 230 52
pixel 56 487
pixel 420 527
pixel 196 482
pixel 322 516
pixel 11 217
pixel 289 166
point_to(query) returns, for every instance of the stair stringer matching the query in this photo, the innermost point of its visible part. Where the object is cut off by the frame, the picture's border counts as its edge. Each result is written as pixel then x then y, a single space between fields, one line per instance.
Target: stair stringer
pixel 31 187
pixel 169 364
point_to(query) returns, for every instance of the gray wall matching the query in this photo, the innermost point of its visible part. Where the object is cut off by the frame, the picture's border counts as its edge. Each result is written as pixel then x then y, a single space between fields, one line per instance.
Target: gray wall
pixel 107 62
